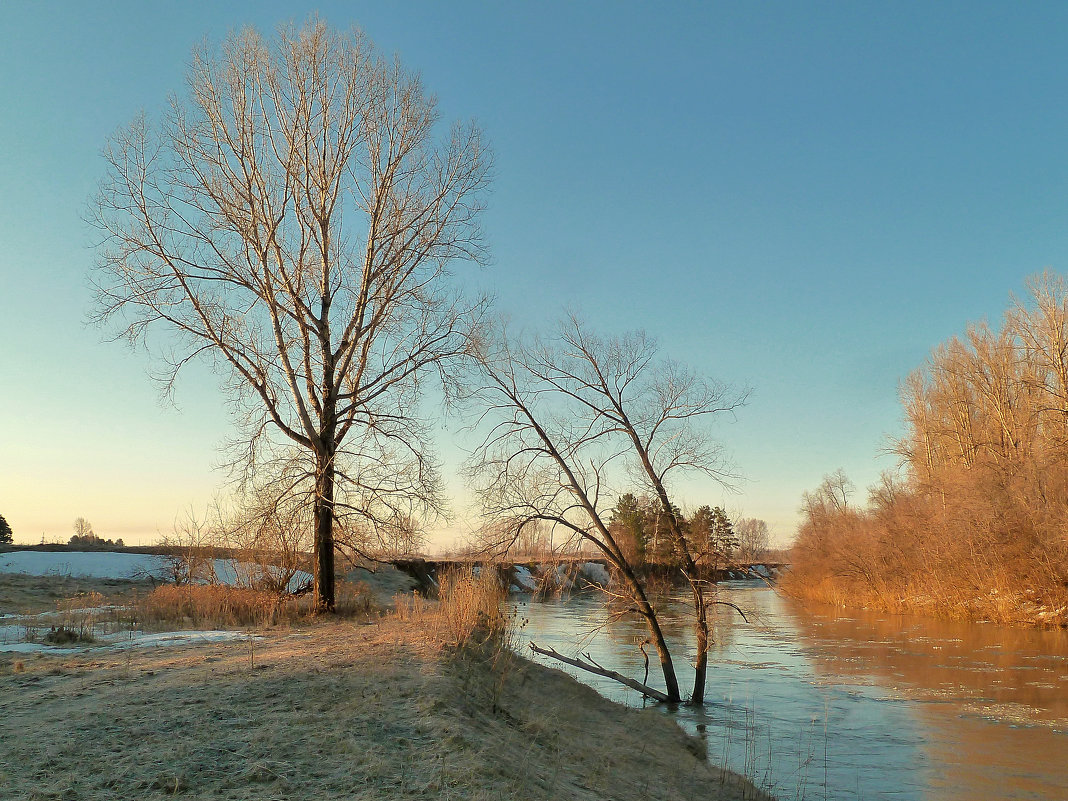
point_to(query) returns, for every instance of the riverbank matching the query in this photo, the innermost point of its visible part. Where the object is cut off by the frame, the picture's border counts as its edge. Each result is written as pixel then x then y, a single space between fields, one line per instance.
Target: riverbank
pixel 947 599
pixel 383 710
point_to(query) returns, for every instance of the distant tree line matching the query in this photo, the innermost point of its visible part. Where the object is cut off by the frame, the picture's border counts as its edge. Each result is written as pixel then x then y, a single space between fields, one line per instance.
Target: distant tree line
pixel 639 524
pixel 85 537
pixel 975 527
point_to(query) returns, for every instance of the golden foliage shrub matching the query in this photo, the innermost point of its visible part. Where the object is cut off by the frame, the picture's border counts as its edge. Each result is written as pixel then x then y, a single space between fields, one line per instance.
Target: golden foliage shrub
pixel 977 528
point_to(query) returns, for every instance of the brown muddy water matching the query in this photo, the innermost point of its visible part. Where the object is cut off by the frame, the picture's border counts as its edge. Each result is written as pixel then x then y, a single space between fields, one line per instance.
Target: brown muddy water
pixel 821 703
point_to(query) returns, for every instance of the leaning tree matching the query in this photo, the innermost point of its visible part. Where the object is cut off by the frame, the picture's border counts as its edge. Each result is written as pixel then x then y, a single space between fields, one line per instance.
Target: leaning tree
pixel 292 219
pixel 570 419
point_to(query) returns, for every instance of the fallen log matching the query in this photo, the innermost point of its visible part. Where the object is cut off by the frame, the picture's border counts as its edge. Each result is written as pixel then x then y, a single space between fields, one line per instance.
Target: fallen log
pixel 592 667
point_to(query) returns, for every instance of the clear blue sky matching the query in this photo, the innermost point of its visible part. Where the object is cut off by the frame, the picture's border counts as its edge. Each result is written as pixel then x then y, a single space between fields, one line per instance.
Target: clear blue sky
pixel 802 197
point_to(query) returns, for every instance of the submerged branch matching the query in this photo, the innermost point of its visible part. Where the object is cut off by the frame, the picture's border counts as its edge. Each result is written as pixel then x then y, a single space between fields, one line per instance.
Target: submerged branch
pixel 593 667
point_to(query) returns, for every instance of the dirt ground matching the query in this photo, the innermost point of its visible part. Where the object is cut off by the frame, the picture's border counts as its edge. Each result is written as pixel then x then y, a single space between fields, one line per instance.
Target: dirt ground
pixel 343 710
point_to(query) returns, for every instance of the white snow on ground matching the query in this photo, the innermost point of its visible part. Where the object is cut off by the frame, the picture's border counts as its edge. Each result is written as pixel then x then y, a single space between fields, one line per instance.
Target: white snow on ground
pixel 114 565
pixel 525 579
pixel 97 564
pixel 597 573
pixel 120 640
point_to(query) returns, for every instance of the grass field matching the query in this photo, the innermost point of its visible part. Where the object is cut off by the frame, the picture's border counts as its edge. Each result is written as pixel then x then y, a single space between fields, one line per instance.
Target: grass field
pixel 387 708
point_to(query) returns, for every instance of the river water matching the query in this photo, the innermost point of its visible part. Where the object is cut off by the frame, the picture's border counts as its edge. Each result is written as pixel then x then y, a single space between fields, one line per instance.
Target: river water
pixel 820 703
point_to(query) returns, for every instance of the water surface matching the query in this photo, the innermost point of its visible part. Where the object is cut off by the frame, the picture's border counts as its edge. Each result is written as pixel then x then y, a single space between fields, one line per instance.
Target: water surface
pixel 826 704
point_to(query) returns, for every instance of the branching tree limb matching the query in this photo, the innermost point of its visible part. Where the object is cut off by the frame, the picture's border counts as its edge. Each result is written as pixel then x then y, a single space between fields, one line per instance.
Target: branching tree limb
pixel 589 665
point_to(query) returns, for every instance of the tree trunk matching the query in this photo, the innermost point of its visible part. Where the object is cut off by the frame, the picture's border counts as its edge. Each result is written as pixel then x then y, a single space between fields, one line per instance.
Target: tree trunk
pixel 701 629
pixel 324 534
pixel 645 609
pixel 671 682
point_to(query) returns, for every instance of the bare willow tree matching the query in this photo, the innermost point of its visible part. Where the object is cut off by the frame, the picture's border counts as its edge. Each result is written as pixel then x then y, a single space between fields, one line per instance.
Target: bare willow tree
pixel 754 539
pixel 292 219
pixel 569 420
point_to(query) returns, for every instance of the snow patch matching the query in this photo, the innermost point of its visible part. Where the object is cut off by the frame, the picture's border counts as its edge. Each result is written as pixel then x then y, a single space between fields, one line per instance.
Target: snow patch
pixel 525 578
pixel 96 564
pixel 596 573
pixel 124 640
pixel 114 565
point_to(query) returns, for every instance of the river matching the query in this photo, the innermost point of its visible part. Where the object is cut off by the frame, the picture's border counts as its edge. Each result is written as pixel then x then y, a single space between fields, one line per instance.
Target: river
pixel 820 703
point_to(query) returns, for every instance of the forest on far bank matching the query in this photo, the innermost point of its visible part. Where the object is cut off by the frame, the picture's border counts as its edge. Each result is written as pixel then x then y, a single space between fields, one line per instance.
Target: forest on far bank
pixel 975 524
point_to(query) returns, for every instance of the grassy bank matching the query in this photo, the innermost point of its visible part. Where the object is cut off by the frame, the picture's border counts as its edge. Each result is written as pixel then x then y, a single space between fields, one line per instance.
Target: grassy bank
pixel 387 708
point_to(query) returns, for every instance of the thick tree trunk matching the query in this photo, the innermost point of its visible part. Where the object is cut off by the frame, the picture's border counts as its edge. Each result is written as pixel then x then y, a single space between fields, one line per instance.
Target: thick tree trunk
pixel 671 682
pixel 324 535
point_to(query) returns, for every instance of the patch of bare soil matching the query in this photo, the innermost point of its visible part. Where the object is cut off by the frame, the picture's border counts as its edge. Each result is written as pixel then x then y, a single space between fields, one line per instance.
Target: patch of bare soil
pixel 21 594
pixel 335 711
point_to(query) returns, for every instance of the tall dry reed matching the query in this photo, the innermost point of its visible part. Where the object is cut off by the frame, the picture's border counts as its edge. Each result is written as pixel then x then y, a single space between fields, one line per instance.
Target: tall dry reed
pixel 469 608
pixel 222 606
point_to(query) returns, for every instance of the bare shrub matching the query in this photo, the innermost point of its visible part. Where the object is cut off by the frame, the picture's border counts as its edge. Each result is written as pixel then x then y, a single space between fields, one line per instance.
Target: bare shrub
pixel 79 617
pixel 268 536
pixel 189 551
pixel 355 599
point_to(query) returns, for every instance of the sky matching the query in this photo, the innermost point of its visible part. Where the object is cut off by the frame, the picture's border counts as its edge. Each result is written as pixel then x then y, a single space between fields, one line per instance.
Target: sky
pixel 802 198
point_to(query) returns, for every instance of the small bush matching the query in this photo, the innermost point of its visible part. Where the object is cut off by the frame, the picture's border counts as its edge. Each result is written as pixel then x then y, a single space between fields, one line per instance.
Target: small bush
pixel 79 617
pixel 355 599
pixel 64 636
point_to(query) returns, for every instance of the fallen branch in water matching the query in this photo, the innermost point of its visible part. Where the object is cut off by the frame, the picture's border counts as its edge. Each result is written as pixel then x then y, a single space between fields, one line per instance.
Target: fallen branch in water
pixel 592 667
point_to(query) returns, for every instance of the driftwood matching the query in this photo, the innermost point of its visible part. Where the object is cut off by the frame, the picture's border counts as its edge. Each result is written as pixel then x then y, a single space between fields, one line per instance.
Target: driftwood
pixel 592 667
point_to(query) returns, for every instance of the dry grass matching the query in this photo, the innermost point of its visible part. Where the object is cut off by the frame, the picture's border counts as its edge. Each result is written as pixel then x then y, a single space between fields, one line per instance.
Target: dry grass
pixel 338 711
pixel 469 611
pixel 223 606
pixel 34 594
pixel 934 596
pixel 471 605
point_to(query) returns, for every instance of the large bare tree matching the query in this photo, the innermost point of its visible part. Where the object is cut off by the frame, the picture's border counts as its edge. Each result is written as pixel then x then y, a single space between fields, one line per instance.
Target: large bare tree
pixel 292 219
pixel 571 420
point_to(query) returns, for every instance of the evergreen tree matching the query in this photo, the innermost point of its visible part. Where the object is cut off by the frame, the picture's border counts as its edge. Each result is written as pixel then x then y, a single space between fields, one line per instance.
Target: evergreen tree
pixel 628 525
pixel 6 536
pixel 723 539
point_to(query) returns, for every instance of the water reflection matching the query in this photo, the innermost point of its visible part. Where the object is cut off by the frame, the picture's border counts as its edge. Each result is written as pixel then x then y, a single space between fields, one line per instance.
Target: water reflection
pixel 818 704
